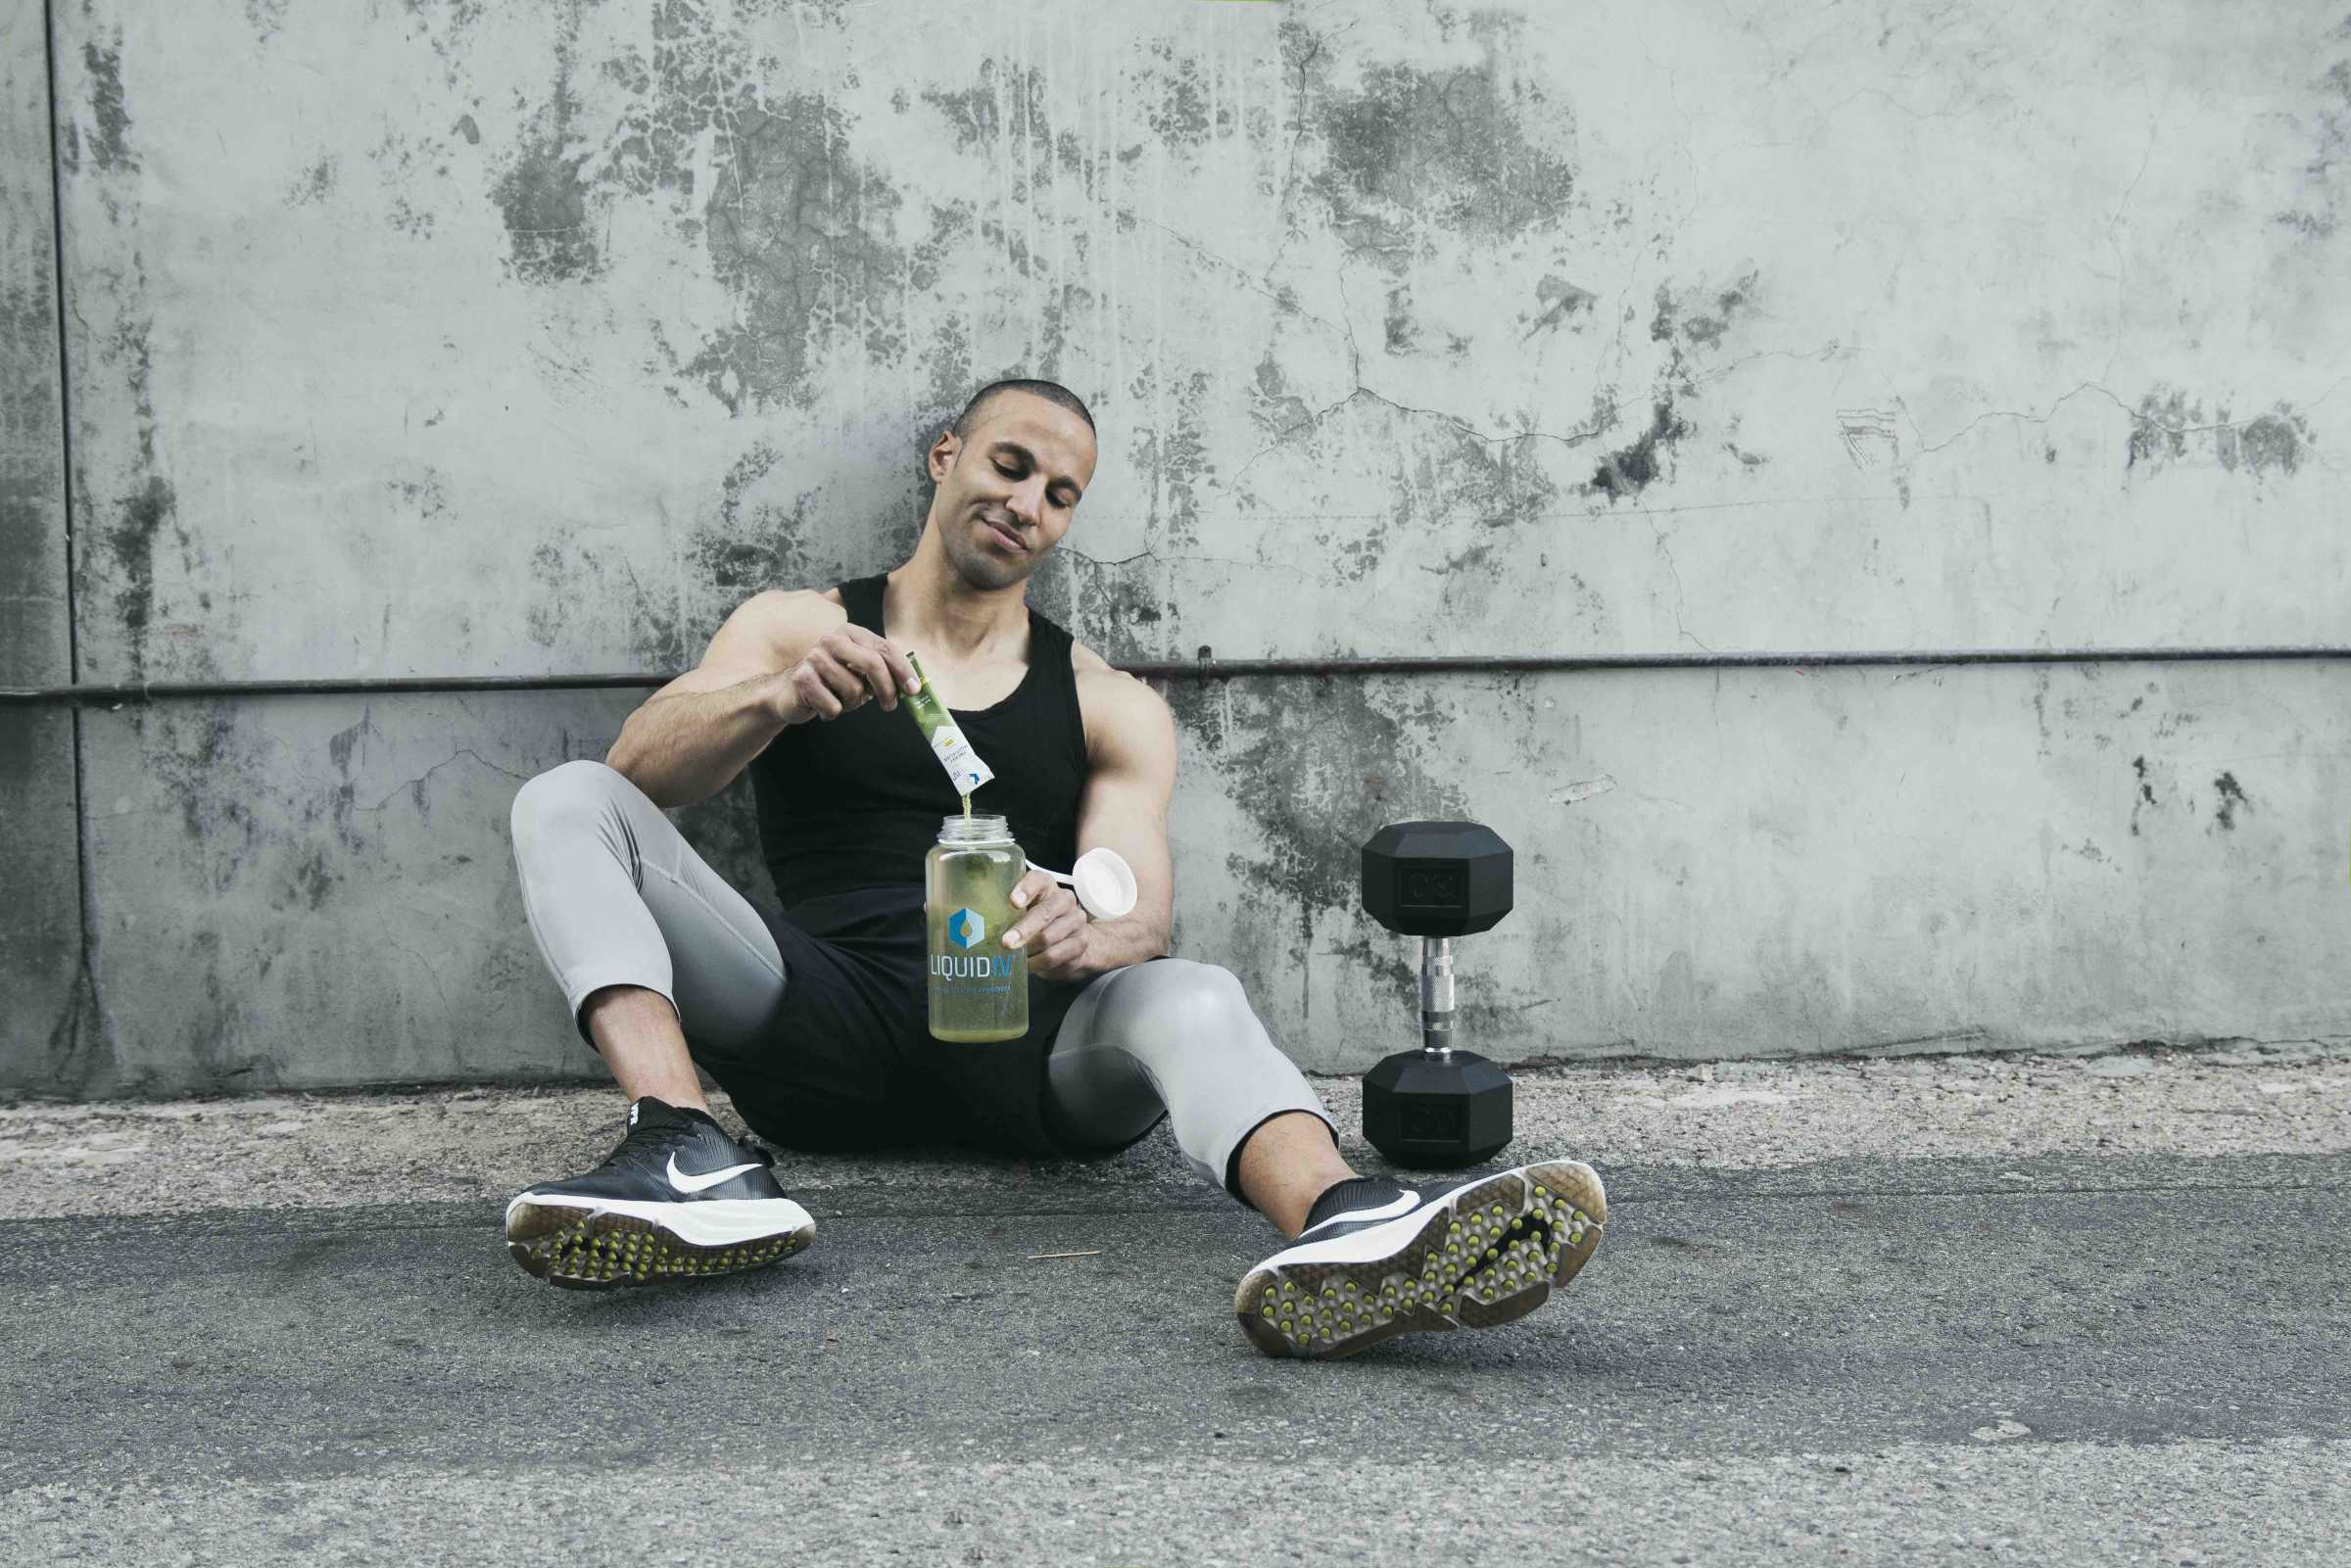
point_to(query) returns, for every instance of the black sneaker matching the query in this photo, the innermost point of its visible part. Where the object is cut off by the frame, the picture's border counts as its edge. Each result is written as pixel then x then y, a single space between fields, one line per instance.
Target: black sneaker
pixel 678 1198
pixel 1378 1258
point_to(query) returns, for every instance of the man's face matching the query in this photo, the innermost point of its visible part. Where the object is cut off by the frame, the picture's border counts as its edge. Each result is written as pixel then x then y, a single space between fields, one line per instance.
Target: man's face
pixel 1007 493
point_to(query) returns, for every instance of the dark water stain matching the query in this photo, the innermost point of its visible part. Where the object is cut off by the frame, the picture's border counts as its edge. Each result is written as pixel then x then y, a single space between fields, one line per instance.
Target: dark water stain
pixel 2319 219
pixel 130 545
pixel 543 194
pixel 1178 112
pixel 265 17
pixel 1399 331
pixel 1171 458
pixel 1559 300
pixel 110 141
pixel 341 799
pixel 1629 470
pixel 466 128
pixel 1408 150
pixel 798 229
pixel 2159 428
pixel 2167 426
pixel 800 232
pixel 2144 798
pixel 1705 330
pixel 557 591
pixel 1318 764
pixel 427 497
pixel 758 543
pixel 2273 439
pixel 311 880
pixel 1443 478
pixel 1274 405
pixel 1490 484
pixel 1688 333
pixel 316 183
pixel 2232 798
pixel 1114 609
pixel 212 771
pixel 767 533
pixel 1013 104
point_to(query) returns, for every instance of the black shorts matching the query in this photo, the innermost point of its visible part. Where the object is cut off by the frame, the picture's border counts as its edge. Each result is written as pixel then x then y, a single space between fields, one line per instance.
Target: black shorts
pixel 851 1063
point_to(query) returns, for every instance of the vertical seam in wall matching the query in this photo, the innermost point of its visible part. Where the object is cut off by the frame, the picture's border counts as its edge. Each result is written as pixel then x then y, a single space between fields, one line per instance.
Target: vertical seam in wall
pixel 65 438
pixel 65 399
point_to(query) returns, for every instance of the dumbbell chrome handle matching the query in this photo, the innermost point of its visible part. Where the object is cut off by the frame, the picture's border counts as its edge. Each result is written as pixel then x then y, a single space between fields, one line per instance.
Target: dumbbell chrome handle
pixel 1436 995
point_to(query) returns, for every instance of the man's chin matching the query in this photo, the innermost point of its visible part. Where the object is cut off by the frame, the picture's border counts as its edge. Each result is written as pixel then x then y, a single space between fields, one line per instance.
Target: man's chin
pixel 992 572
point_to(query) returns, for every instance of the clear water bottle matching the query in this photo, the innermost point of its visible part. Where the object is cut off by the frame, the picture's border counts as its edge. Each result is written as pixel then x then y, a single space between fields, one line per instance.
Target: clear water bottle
pixel 979 987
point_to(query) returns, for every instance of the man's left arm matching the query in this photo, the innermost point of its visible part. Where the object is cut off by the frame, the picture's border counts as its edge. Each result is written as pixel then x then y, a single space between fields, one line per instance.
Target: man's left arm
pixel 1131 747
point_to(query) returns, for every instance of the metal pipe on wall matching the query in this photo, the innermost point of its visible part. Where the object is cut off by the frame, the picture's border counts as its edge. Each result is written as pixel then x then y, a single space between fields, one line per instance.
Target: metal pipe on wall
pixel 1202 669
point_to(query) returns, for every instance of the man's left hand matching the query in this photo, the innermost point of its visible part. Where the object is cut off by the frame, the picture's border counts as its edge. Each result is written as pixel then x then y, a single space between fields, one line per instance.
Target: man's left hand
pixel 1053 929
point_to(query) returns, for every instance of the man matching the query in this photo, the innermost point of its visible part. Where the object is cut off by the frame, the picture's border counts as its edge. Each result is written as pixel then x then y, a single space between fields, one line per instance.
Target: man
pixel 814 1021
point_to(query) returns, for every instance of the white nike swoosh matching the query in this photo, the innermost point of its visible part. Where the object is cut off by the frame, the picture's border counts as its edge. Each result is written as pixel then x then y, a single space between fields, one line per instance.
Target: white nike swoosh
pixel 1402 1205
pixel 709 1178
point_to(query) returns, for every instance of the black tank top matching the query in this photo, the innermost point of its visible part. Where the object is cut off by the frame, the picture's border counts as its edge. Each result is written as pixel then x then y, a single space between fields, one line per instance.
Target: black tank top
pixel 854 803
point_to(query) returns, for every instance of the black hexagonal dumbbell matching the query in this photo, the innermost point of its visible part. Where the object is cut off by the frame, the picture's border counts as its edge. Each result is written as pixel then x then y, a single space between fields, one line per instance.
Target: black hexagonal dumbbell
pixel 1437 1108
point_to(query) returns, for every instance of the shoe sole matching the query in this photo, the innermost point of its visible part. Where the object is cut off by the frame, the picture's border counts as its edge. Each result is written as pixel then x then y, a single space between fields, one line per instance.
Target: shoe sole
pixel 608 1247
pixel 1486 1255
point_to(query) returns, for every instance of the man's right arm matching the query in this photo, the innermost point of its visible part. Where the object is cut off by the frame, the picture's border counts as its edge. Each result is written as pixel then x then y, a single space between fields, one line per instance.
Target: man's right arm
pixel 782 658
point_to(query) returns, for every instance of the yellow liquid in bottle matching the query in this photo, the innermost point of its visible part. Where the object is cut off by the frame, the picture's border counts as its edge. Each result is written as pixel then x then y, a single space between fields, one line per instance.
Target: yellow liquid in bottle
pixel 984 995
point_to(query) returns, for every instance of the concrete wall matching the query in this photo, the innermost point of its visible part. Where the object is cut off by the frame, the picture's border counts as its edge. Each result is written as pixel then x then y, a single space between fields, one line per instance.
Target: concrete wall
pixel 452 338
pixel 47 1025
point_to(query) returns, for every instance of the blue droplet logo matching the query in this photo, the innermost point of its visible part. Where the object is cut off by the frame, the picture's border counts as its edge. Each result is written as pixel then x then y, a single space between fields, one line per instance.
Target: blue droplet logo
pixel 966 930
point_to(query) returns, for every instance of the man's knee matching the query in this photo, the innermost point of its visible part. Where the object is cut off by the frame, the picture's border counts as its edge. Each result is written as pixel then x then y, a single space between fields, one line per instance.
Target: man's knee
pixel 1200 1000
pixel 574 795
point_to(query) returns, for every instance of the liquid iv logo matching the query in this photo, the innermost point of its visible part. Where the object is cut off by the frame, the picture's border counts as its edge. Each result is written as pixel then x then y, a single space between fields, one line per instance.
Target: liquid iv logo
pixel 966 930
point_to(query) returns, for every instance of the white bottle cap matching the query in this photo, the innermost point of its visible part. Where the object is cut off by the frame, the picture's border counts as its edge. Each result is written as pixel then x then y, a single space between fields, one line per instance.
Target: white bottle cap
pixel 1104 883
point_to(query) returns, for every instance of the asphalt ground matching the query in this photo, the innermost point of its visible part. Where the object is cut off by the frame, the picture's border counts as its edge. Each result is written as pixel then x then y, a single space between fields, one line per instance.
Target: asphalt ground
pixel 2069 1357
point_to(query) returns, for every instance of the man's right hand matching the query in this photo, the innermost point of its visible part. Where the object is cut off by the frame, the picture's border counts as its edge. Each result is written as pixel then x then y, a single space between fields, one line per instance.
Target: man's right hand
pixel 847 668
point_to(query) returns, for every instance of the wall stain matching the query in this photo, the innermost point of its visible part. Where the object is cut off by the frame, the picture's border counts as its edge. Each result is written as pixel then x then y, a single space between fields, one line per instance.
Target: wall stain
pixel 2145 796
pixel 1409 153
pixel 316 183
pixel 1559 300
pixel 110 141
pixel 2319 219
pixel 1630 470
pixel 796 229
pixel 132 543
pixel 311 882
pixel 2231 798
pixel 193 750
pixel 1111 608
pixel 1274 405
pixel 543 193
pixel 543 616
pixel 1176 456
pixel 265 17
pixel 342 799
pixel 1179 115
pixel 2166 425
pixel 400 159
pixel 1317 764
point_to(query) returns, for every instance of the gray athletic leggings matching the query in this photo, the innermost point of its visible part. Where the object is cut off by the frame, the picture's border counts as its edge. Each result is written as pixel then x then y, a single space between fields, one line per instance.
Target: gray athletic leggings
pixel 616 896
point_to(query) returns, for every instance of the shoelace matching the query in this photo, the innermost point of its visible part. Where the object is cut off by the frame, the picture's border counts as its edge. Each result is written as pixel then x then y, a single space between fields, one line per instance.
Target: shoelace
pixel 657 1141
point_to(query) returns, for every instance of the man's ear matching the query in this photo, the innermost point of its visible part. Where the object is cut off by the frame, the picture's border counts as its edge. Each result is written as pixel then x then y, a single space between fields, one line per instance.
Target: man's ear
pixel 943 455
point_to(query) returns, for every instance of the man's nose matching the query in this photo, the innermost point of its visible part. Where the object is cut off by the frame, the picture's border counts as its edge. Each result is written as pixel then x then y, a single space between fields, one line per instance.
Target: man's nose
pixel 1028 501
